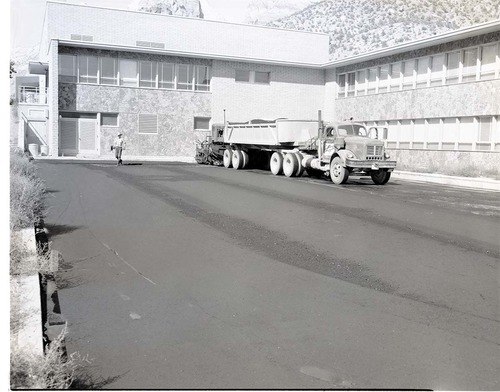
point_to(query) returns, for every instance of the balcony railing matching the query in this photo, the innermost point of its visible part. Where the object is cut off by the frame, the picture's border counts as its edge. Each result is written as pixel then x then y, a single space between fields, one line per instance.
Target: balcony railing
pixel 32 95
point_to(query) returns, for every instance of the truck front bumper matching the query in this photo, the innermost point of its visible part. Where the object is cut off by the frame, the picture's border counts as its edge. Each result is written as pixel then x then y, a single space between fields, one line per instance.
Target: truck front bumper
pixel 370 164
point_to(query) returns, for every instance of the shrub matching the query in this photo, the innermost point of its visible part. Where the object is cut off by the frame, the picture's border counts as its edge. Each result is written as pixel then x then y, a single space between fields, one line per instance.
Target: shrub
pixel 24 261
pixel 26 192
pixel 54 370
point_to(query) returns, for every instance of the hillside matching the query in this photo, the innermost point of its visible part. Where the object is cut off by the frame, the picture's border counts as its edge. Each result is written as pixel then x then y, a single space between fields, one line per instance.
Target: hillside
pixel 186 8
pixel 266 11
pixel 357 26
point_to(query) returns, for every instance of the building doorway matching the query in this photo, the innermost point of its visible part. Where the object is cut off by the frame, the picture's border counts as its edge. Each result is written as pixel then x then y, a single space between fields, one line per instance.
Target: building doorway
pixel 79 134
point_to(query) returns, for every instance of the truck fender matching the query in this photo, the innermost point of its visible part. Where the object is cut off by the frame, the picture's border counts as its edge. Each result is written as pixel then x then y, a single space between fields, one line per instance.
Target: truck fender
pixel 342 154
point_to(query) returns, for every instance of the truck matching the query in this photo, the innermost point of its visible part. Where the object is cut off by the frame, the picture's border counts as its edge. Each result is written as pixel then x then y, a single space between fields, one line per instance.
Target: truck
pixel 292 147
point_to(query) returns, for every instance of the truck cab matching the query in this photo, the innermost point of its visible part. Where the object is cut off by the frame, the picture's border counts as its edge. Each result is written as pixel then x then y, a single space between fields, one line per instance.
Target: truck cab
pixel 349 147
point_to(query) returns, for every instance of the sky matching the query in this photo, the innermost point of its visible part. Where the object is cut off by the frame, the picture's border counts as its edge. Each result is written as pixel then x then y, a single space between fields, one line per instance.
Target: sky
pixel 26 16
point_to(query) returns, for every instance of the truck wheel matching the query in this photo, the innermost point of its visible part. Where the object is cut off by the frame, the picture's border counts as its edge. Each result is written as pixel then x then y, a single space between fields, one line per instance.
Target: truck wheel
pixel 227 158
pixel 300 168
pixel 237 160
pixel 246 159
pixel 276 163
pixel 290 165
pixel 338 173
pixel 380 177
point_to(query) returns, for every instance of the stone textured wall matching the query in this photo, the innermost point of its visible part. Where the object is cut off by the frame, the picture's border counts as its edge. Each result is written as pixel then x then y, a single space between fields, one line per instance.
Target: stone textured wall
pixel 296 93
pixel 465 99
pixel 175 109
pixel 454 163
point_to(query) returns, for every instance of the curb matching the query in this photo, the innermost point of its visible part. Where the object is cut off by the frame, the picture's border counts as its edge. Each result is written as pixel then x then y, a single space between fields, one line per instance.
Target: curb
pixel 39 298
pixel 30 336
pixel 466 182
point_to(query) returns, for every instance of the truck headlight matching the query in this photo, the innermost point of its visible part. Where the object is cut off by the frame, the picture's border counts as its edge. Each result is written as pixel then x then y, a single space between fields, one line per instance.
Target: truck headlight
pixel 386 156
pixel 350 155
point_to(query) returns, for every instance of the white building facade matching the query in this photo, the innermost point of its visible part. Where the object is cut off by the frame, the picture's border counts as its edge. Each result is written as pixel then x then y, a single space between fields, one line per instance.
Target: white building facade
pixel 163 81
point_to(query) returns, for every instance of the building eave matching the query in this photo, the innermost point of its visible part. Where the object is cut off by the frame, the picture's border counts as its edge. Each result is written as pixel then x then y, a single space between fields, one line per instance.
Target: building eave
pixel 167 52
pixel 455 35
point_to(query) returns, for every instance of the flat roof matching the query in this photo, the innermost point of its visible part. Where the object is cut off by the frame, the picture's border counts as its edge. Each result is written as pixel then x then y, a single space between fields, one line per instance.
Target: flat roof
pixel 185 17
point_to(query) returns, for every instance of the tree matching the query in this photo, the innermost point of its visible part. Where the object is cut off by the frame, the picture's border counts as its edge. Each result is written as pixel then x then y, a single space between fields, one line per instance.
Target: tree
pixel 12 70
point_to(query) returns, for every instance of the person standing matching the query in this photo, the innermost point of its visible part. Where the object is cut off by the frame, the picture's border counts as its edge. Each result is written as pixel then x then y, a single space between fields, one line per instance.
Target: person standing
pixel 118 146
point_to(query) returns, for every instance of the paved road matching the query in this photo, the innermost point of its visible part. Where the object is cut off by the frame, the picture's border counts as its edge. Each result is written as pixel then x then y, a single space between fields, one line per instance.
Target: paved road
pixel 181 276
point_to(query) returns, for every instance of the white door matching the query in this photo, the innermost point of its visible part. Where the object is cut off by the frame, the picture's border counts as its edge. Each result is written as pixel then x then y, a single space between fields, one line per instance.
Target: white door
pixel 79 136
pixel 69 136
pixel 87 136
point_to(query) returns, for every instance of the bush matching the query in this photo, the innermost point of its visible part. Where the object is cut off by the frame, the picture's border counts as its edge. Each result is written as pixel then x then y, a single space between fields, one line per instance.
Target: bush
pixel 26 192
pixel 54 370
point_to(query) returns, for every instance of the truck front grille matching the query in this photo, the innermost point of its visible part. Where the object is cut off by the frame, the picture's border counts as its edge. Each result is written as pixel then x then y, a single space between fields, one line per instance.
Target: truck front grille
pixel 374 153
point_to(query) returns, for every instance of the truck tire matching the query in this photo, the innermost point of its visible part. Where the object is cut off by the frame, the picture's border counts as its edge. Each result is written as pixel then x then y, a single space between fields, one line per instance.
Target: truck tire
pixel 290 165
pixel 276 163
pixel 246 159
pixel 300 168
pixel 237 160
pixel 380 177
pixel 227 158
pixel 338 173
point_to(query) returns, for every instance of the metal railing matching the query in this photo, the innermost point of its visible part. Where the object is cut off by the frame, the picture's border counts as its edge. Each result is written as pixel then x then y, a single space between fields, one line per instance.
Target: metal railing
pixel 32 95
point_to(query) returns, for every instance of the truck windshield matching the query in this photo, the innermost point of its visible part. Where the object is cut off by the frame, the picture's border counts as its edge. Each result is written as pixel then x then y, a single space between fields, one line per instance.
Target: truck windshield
pixel 351 130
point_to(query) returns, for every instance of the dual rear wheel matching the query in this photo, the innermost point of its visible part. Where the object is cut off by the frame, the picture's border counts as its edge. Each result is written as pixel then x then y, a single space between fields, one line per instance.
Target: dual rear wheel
pixel 237 159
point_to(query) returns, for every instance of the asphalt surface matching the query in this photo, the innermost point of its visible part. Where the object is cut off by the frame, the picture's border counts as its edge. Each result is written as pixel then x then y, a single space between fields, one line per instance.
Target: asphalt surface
pixel 179 276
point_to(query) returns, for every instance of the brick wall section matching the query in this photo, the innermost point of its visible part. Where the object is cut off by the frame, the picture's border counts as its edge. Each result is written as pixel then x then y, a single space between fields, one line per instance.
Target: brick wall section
pixel 296 93
pixel 192 35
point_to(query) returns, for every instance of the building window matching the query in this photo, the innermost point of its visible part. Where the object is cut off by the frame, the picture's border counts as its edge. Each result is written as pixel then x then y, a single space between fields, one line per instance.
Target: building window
pixel 108 71
pixel 372 80
pixel 422 72
pixel 166 75
pixel 452 64
pixel 405 133
pixel 148 124
pixel 408 72
pixel 184 77
pixel 147 74
pixel 488 61
pixel 351 81
pixel 395 77
pixel 383 79
pixel 202 123
pixel 67 68
pixel 262 77
pixel 87 69
pixel 241 75
pixel 434 133
pixel 361 82
pixel 109 119
pixel 341 83
pixel 128 73
pixel 258 77
pixel 202 78
pixel 469 65
pixel 437 67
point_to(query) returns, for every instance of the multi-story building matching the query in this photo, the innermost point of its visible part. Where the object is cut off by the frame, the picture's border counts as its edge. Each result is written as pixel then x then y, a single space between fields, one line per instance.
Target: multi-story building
pixel 164 80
